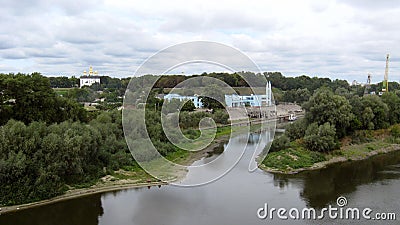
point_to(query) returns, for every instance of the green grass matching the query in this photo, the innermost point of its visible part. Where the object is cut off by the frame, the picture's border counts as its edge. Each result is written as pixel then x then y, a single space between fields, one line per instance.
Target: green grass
pixel 177 156
pixel 296 157
pixel 361 150
pixel 292 158
pixel 61 91
pixel 86 184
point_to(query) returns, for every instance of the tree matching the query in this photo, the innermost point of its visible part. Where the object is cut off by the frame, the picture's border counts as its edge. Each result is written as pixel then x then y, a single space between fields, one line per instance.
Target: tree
pixel 29 98
pixel 171 106
pixel 324 106
pixel 395 131
pixel 296 130
pixel 342 92
pixel 379 109
pixel 280 143
pixel 366 118
pixel 211 103
pixel 82 94
pixel 188 106
pixel 213 97
pixel 221 116
pixel 321 138
pixel 393 103
pixel 298 96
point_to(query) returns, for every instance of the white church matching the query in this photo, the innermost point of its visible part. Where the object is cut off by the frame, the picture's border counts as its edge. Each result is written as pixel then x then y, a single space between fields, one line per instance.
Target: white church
pixel 88 79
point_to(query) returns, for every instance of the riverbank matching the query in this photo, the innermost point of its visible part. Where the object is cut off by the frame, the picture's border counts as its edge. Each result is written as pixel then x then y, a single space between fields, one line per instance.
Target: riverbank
pixel 76 193
pixel 132 177
pixel 298 160
pixel 121 180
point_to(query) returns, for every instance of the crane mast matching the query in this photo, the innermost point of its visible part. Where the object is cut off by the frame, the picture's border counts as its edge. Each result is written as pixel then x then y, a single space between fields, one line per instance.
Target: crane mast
pixel 385 84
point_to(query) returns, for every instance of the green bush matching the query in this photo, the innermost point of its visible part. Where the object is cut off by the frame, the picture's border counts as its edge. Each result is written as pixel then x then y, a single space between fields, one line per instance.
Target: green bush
pixel 296 130
pixel 361 136
pixel 321 138
pixel 221 116
pixel 395 131
pixel 280 143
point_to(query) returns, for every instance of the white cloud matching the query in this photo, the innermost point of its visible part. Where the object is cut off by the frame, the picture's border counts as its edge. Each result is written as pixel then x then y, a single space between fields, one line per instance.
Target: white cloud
pixel 336 38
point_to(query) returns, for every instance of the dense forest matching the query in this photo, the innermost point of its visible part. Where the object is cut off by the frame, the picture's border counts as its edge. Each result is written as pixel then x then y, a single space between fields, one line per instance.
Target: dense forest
pixel 38 160
pixel 50 142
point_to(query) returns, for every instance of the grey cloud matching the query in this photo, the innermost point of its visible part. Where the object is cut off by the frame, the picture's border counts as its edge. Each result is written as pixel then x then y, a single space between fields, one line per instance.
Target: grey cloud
pixel 372 4
pixel 68 36
pixel 31 7
pixel 219 20
pixel 46 53
pixel 6 44
pixel 12 54
pixel 55 61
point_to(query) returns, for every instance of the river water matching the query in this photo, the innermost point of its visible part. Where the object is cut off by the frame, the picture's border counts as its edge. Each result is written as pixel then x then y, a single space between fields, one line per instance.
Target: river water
pixel 236 197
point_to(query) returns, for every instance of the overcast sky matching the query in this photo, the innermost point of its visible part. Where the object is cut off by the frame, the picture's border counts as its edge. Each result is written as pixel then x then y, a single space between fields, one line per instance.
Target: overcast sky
pixel 329 38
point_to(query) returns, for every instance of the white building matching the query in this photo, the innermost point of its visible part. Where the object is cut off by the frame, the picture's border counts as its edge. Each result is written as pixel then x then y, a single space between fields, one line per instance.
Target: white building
pixel 250 100
pixel 195 99
pixel 89 80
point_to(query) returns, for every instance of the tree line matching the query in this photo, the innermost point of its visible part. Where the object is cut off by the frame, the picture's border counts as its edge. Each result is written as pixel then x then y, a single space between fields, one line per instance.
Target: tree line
pixel 331 116
pixel 38 161
pixel 50 142
pixel 29 98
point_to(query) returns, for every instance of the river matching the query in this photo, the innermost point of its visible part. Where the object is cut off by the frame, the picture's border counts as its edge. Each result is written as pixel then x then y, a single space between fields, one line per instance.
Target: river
pixel 235 198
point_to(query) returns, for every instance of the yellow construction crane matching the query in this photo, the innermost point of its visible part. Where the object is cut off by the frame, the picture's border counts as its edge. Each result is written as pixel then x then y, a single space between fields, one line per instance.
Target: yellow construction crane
pixel 385 84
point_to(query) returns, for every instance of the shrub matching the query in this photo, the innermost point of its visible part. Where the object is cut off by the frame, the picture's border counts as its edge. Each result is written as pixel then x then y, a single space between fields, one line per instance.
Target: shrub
pixel 321 138
pixel 221 117
pixel 296 130
pixel 395 131
pixel 280 143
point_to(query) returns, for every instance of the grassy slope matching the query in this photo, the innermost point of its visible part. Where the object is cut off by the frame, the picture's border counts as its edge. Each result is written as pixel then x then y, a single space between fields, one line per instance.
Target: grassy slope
pixel 296 158
pixel 292 158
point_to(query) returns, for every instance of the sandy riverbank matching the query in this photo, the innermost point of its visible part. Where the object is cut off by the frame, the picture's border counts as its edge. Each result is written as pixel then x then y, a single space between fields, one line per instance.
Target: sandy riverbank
pixel 110 186
pixel 76 193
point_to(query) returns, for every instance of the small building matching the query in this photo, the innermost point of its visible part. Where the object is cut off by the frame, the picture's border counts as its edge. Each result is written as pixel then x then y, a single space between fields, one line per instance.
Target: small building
pixel 244 100
pixel 89 79
pixel 195 99
pixel 250 100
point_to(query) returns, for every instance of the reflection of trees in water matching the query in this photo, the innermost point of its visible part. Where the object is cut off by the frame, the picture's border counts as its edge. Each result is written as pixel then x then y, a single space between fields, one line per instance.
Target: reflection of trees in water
pixel 217 150
pixel 281 182
pixel 84 210
pixel 323 186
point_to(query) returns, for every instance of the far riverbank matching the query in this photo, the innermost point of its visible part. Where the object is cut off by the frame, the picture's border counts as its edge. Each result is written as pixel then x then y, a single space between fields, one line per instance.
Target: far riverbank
pixel 299 160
